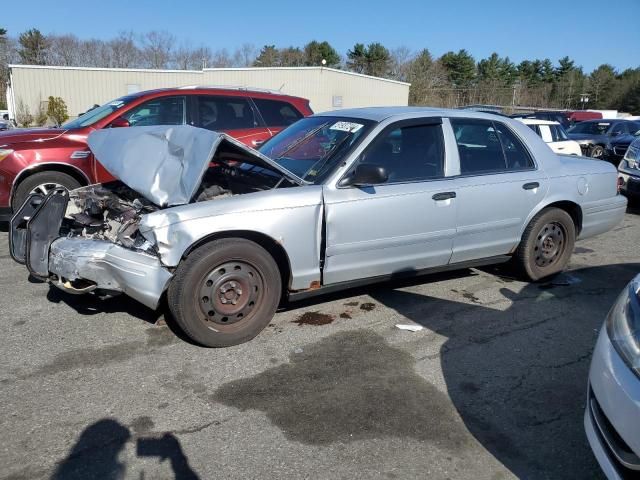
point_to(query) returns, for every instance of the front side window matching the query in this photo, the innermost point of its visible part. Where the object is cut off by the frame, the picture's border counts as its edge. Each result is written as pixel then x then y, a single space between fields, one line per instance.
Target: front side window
pixel 225 113
pixel 409 153
pixel 158 111
pixel 485 146
pixel 277 113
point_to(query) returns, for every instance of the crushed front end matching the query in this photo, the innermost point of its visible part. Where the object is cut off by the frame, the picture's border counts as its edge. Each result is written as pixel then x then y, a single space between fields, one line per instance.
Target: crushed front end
pixel 88 240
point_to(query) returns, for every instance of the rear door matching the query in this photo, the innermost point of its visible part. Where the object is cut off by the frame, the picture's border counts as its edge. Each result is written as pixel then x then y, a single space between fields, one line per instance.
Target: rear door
pixel 234 115
pixel 498 186
pixel 277 114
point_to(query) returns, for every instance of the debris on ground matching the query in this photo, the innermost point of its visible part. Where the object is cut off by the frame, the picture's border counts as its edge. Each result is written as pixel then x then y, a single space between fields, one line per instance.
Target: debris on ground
pixel 410 328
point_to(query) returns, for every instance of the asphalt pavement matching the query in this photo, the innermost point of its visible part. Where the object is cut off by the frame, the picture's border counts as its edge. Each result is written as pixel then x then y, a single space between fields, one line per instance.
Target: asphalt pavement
pixel 493 387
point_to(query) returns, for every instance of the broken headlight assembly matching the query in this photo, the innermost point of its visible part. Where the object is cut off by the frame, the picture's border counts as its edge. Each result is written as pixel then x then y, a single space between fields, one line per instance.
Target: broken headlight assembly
pixel 623 325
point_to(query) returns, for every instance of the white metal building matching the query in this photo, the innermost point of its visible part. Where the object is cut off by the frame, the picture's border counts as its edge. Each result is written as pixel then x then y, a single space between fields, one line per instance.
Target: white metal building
pixel 81 88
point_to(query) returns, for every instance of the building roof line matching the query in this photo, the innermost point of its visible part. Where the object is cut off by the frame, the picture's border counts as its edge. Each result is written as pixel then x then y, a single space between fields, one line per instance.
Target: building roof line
pixel 146 70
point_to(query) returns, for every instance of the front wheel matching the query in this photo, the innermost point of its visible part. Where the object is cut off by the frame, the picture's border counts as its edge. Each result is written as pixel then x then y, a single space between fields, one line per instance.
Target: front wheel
pixel 596 152
pixel 225 292
pixel 547 244
pixel 42 183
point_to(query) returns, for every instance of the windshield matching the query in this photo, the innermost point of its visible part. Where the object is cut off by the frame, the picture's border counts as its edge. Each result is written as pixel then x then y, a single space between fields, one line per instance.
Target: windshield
pixel 312 147
pixel 98 113
pixel 591 128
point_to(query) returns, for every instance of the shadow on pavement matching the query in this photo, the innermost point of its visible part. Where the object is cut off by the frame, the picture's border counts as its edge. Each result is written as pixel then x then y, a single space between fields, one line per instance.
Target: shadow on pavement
pixel 95 454
pixel 518 377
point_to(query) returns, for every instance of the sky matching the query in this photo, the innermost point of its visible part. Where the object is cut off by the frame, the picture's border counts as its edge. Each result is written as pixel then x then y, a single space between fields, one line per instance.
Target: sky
pixel 590 32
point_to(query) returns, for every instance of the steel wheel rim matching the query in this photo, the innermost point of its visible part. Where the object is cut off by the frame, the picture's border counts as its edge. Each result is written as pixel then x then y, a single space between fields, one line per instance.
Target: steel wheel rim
pixel 45 188
pixel 597 153
pixel 550 244
pixel 229 294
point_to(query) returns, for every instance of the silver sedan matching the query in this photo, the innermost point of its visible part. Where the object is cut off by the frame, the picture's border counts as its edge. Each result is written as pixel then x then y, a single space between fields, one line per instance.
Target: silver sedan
pixel 612 416
pixel 335 200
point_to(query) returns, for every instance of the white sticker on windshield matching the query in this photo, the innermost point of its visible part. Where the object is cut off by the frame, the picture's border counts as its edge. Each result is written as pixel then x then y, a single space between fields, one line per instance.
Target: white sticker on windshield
pixel 350 127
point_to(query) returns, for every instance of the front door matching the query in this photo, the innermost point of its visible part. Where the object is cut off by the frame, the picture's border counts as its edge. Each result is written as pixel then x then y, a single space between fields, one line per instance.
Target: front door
pixel 499 185
pixel 403 225
pixel 233 115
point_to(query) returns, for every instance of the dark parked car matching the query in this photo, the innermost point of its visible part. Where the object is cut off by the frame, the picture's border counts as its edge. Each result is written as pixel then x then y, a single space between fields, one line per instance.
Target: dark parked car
pixel 39 160
pixel 629 170
pixel 595 136
pixel 617 146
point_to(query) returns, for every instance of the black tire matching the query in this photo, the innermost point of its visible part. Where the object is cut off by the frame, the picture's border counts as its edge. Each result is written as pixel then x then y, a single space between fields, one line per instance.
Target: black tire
pixel 546 245
pixel 597 151
pixel 40 179
pixel 214 275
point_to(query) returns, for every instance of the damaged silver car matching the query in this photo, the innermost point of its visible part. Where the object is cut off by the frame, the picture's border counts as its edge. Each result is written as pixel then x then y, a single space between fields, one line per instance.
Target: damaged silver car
pixel 335 200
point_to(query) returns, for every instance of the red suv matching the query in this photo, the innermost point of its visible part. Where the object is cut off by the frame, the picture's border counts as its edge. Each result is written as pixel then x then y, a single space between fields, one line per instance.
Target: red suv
pixel 37 160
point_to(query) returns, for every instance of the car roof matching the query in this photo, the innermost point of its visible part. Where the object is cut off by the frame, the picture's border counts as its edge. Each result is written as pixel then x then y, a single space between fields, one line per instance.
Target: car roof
pixel 212 88
pixel 535 121
pixel 378 114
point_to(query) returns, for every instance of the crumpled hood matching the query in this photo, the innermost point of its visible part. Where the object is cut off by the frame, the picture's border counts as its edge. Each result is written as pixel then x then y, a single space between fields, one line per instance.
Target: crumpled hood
pixel 165 164
pixel 19 135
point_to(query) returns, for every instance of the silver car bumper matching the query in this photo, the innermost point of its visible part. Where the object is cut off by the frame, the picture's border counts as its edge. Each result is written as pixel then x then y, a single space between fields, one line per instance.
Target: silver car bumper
pixel 612 415
pixel 108 266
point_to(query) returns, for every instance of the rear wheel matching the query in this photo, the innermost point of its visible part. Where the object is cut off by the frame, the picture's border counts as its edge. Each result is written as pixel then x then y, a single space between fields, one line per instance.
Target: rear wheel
pixel 225 292
pixel 41 183
pixel 547 244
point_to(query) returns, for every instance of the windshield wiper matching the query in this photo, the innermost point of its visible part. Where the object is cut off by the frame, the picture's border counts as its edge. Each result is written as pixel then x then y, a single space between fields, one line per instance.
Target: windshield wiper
pixel 327 156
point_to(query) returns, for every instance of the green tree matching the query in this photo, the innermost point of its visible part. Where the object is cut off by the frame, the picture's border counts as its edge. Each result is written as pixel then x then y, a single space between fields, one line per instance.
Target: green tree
pixel 378 60
pixel 268 57
pixel 460 67
pixel 315 52
pixel 495 70
pixel 357 58
pixel 33 47
pixel 57 110
pixel 291 57
pixel 601 82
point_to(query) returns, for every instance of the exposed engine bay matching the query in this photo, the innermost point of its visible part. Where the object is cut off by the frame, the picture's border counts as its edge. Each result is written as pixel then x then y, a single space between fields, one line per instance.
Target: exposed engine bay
pixel 112 211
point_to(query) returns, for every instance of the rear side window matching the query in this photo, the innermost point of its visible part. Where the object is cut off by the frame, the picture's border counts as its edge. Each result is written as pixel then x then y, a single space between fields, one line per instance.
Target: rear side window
pixel 277 113
pixel 410 153
pixel 225 113
pixel 485 147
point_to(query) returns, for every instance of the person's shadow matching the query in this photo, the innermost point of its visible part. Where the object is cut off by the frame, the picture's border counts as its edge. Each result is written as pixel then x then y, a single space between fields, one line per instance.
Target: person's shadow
pixel 95 454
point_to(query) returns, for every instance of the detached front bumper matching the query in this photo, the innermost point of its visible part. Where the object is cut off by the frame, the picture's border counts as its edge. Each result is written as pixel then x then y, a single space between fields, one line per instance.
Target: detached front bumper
pixel 108 267
pixel 78 264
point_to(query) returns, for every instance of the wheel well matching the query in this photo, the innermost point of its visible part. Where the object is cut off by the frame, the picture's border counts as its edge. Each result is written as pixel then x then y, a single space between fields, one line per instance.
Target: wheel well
pixel 276 250
pixel 49 167
pixel 572 209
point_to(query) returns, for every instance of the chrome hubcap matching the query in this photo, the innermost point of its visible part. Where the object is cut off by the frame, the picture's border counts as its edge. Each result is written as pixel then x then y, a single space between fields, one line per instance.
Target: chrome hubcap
pixel 230 292
pixel 549 245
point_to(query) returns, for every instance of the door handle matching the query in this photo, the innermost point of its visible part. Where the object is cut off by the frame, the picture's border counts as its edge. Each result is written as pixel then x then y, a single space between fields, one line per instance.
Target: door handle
pixel 257 143
pixel 530 185
pixel 444 196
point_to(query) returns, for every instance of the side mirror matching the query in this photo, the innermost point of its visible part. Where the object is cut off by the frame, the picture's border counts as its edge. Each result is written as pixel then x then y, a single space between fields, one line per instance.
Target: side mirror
pixel 119 122
pixel 365 174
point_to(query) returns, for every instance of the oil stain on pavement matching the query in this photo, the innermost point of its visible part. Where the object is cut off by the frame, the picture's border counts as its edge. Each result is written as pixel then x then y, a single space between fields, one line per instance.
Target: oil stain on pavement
pixel 348 387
